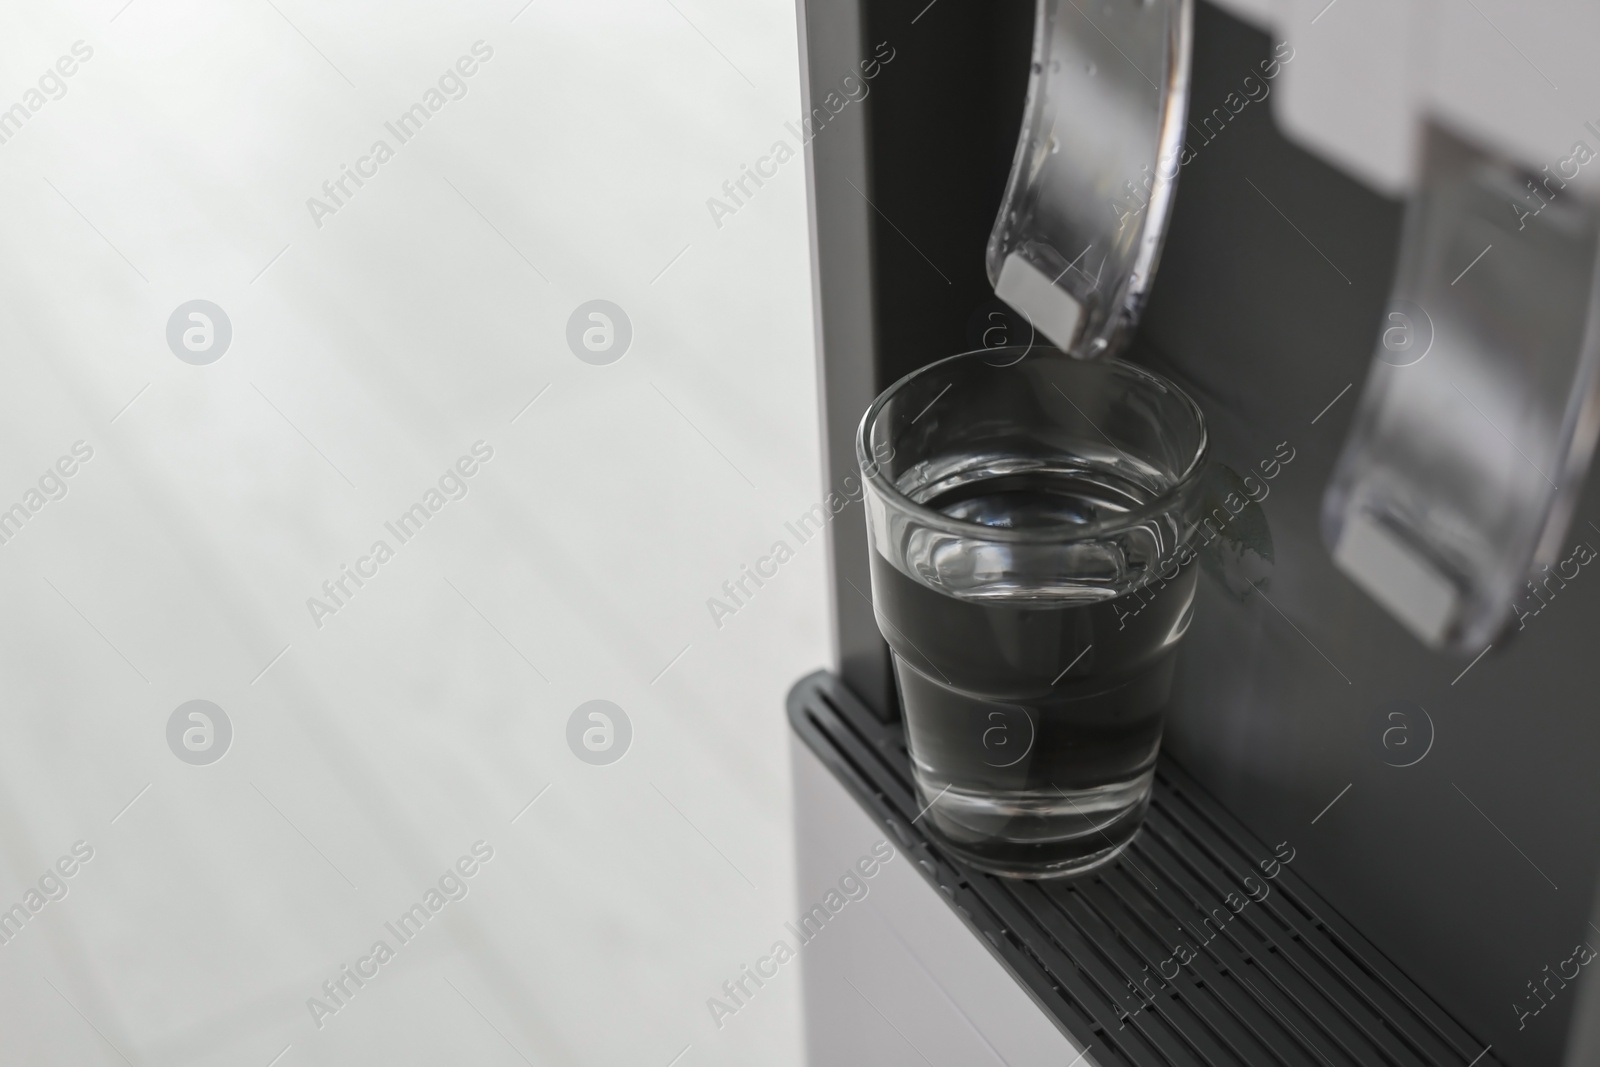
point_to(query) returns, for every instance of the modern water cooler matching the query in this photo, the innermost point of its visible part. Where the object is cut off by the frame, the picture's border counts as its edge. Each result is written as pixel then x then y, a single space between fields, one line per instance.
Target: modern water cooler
pixel 1375 832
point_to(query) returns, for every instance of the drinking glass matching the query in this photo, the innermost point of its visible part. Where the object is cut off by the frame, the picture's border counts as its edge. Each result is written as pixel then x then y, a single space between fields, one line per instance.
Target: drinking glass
pixel 1033 523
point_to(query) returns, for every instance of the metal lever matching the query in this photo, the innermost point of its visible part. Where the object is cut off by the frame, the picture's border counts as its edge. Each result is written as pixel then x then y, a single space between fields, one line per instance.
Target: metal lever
pixel 1476 428
pixel 1085 210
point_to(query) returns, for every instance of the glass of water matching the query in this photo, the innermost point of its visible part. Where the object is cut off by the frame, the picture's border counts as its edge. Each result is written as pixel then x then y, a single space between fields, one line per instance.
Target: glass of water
pixel 1034 521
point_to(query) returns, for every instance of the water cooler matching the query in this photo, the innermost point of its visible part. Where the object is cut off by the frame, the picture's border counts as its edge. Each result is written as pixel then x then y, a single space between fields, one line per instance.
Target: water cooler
pixel 1376 826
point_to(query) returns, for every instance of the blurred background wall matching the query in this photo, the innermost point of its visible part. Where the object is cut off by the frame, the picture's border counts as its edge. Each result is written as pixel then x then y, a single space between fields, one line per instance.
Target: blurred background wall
pixel 417 336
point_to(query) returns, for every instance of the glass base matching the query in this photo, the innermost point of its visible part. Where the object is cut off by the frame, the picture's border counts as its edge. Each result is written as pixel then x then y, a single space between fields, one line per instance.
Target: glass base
pixel 1053 833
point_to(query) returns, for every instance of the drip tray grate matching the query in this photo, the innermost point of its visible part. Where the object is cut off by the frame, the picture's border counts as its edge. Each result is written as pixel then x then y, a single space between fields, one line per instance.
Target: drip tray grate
pixel 1198 945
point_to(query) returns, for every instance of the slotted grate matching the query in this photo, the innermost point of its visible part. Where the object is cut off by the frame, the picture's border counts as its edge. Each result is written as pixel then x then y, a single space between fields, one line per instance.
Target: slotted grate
pixel 1198 946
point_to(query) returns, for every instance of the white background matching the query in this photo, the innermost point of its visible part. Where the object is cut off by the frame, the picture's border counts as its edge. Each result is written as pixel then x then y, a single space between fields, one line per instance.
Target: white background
pixel 367 355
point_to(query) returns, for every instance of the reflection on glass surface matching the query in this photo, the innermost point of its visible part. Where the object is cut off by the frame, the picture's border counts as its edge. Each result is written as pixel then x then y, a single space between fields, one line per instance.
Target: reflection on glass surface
pixel 1478 419
pixel 1079 232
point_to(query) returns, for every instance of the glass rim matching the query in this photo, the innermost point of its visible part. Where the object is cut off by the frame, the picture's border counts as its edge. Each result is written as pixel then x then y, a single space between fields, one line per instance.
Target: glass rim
pixel 872 473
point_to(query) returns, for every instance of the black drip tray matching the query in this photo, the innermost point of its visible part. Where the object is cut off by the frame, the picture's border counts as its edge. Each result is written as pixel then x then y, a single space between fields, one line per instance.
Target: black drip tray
pixel 1181 951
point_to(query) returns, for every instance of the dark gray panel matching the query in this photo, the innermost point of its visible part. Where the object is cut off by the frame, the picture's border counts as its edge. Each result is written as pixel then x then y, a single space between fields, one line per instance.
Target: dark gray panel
pixel 1268 304
pixel 831 48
